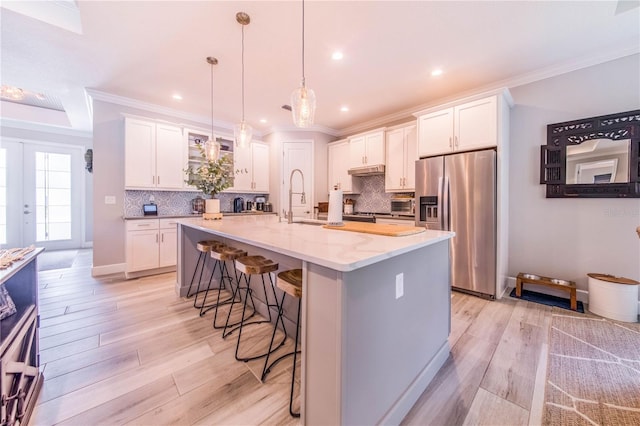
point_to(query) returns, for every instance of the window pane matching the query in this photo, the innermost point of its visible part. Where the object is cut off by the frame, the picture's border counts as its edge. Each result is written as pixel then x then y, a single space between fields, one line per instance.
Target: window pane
pixel 53 196
pixel 59 231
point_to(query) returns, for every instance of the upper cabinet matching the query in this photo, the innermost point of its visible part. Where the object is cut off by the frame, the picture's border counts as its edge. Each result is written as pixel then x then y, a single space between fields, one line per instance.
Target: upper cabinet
pixel 151 150
pixel 251 168
pixel 465 127
pixel 338 166
pixel 366 149
pixel 402 154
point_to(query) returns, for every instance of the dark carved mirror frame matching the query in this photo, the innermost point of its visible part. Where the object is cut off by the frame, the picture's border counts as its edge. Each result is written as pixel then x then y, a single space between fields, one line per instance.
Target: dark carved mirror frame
pixel 553 155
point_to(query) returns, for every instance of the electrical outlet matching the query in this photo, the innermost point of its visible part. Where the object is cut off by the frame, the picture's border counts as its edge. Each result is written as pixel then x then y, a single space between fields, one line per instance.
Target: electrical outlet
pixel 152 199
pixel 399 285
pixel 109 199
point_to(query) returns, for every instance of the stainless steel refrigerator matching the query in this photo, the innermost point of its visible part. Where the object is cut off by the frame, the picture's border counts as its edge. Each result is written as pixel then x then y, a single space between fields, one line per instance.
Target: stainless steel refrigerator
pixel 457 192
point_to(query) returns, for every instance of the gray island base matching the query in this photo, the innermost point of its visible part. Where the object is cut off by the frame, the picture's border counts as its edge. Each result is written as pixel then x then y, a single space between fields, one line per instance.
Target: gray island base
pixel 368 352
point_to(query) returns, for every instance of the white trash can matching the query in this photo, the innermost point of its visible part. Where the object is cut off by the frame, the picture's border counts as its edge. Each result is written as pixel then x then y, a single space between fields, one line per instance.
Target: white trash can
pixel 613 297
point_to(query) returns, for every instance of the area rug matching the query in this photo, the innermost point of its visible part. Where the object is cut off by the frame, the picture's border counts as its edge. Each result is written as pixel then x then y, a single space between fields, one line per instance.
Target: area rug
pixel 547 299
pixel 593 372
pixel 60 259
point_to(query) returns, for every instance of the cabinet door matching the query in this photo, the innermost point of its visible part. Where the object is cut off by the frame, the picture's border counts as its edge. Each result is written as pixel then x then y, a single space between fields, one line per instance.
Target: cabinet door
pixel 435 133
pixel 142 250
pixel 333 175
pixel 168 247
pixel 139 153
pixel 374 145
pixel 242 169
pixel 357 152
pixel 394 171
pixel 260 153
pixel 192 140
pixel 411 155
pixel 170 157
pixel 476 124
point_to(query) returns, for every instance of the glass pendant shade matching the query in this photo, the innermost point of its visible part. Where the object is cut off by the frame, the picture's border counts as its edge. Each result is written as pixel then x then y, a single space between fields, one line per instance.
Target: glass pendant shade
pixel 303 106
pixel 242 133
pixel 212 150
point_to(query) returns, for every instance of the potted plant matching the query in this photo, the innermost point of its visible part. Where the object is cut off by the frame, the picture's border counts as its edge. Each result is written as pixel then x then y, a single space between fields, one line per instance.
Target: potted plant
pixel 211 177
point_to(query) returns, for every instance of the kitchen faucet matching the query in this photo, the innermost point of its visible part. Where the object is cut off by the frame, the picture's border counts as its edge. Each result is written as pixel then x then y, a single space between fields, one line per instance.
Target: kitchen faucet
pixel 302 198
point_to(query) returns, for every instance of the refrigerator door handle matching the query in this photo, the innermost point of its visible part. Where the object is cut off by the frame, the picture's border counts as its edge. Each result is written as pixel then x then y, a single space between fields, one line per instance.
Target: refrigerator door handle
pixel 445 204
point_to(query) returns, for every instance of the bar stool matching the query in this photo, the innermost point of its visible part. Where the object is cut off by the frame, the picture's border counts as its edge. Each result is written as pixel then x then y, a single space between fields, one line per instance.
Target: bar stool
pixel 204 247
pixel 249 266
pixel 221 254
pixel 290 282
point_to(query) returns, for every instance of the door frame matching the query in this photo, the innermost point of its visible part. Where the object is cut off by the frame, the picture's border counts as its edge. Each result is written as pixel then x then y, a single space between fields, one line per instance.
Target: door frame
pixel 284 183
pixel 80 189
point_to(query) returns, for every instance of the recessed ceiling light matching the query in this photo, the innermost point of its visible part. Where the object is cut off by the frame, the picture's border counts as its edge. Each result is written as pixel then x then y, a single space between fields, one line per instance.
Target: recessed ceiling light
pixel 263 120
pixel 337 55
pixel 436 72
pixel 177 97
pixel 344 108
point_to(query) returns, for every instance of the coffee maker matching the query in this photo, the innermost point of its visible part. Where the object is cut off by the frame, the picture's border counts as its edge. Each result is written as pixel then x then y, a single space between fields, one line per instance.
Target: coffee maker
pixel 238 204
pixel 260 203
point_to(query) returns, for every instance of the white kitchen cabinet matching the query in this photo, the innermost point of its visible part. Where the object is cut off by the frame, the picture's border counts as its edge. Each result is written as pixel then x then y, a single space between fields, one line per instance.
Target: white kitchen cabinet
pixel 366 149
pixel 151 244
pixel 338 166
pixel 251 168
pixel 401 159
pixel 465 127
pixel 152 151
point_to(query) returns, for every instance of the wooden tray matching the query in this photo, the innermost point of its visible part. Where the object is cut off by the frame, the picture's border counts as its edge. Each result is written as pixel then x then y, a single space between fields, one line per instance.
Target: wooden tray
pixel 389 230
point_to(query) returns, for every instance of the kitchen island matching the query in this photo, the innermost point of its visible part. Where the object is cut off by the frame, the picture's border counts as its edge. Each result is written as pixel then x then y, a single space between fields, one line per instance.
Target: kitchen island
pixel 375 310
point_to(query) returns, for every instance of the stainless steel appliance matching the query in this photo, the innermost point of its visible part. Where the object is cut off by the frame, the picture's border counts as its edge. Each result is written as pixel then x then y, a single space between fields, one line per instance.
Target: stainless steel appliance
pixel 402 205
pixel 457 192
pixel 260 203
pixel 238 204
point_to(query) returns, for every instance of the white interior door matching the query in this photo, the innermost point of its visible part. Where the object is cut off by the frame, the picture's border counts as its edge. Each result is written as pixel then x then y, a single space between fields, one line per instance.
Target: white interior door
pixel 43 201
pixel 297 155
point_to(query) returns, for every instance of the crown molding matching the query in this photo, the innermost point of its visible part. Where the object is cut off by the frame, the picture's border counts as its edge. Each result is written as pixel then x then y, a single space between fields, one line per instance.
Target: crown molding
pixel 532 77
pixel 157 109
pixel 38 127
pixel 316 128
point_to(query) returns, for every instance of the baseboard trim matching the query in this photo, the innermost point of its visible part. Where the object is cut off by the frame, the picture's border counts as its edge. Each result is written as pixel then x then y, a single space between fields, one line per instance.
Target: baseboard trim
pixel 116 268
pixel 87 244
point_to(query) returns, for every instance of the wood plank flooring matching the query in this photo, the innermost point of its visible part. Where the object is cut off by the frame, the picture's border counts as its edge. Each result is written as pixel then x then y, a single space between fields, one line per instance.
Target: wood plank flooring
pixel 117 352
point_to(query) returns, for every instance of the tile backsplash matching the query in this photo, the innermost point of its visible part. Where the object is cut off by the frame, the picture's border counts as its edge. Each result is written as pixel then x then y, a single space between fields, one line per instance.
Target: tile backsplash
pixel 372 199
pixel 173 203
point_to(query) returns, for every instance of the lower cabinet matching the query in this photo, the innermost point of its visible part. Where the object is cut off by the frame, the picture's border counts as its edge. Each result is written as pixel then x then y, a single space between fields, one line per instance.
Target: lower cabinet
pixel 151 244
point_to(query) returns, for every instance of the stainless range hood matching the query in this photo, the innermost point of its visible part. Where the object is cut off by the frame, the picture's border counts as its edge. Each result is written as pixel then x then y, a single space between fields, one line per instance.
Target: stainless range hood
pixel 377 169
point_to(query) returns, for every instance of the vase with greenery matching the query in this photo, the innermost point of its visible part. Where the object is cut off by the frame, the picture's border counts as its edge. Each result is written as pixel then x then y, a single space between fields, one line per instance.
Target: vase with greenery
pixel 212 175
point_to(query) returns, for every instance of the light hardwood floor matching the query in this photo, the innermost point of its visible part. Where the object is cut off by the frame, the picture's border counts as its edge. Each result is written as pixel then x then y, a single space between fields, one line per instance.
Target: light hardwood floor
pixel 131 352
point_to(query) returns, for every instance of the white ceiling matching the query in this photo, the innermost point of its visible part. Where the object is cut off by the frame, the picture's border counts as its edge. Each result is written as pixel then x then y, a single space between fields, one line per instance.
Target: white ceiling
pixel 148 50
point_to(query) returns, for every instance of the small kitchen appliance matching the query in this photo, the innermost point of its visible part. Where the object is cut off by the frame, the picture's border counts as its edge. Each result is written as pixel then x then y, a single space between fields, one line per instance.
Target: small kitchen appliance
pixel 238 204
pixel 260 203
pixel 250 205
pixel 150 209
pixel 197 205
pixel 402 206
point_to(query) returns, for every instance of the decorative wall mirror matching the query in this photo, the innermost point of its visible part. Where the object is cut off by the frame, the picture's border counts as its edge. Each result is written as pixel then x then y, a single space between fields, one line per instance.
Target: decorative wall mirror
pixel 597 157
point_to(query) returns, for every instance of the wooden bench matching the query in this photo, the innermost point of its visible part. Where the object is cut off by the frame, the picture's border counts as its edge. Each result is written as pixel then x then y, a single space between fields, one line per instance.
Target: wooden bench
pixel 568 286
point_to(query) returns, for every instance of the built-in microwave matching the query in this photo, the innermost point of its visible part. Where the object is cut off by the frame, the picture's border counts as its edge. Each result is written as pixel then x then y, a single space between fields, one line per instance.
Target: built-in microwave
pixel 403 206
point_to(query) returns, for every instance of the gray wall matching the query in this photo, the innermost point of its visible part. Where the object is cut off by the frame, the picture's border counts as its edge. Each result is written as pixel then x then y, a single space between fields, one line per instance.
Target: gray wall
pixel 85 142
pixel 568 238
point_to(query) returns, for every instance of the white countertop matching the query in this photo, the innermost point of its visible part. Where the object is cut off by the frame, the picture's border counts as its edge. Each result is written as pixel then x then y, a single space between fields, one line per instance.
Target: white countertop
pixel 339 250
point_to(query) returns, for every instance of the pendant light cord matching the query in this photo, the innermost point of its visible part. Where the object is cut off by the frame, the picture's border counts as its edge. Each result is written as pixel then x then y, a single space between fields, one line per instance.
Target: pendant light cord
pixel 243 73
pixel 303 79
pixel 213 139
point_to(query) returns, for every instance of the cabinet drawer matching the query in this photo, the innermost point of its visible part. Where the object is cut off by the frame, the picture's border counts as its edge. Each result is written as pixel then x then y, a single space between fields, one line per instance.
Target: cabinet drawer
pixel 169 223
pixel 142 224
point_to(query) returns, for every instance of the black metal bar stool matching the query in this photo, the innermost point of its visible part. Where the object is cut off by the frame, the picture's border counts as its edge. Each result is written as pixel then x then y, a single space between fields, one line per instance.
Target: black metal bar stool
pixel 290 282
pixel 249 266
pixel 222 254
pixel 204 247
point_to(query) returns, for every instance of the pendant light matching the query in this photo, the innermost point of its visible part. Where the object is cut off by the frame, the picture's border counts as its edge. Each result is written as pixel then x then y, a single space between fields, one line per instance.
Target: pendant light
pixel 212 147
pixel 242 131
pixel 303 99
